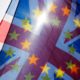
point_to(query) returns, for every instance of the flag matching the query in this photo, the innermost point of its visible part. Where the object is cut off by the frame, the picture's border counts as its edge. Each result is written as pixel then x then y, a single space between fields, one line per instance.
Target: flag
pixel 3 8
pixel 6 22
pixel 43 42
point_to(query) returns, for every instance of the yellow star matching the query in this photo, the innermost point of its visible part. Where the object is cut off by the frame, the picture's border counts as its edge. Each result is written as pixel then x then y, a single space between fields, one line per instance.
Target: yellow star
pixel 9 52
pixel 69 65
pixel 37 12
pixel 74 69
pixel 24 21
pixel 14 35
pixel 26 25
pixel 77 22
pixel 26 44
pixel 45 69
pixel 59 73
pixel 33 59
pixel 66 11
pixel 15 67
pixel 53 8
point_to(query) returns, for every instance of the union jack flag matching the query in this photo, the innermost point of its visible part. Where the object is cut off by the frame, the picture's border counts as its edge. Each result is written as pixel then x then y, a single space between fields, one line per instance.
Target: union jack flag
pixel 43 42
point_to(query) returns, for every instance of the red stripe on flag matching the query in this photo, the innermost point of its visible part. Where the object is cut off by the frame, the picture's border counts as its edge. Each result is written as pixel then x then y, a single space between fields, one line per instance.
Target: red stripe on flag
pixel 4 28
